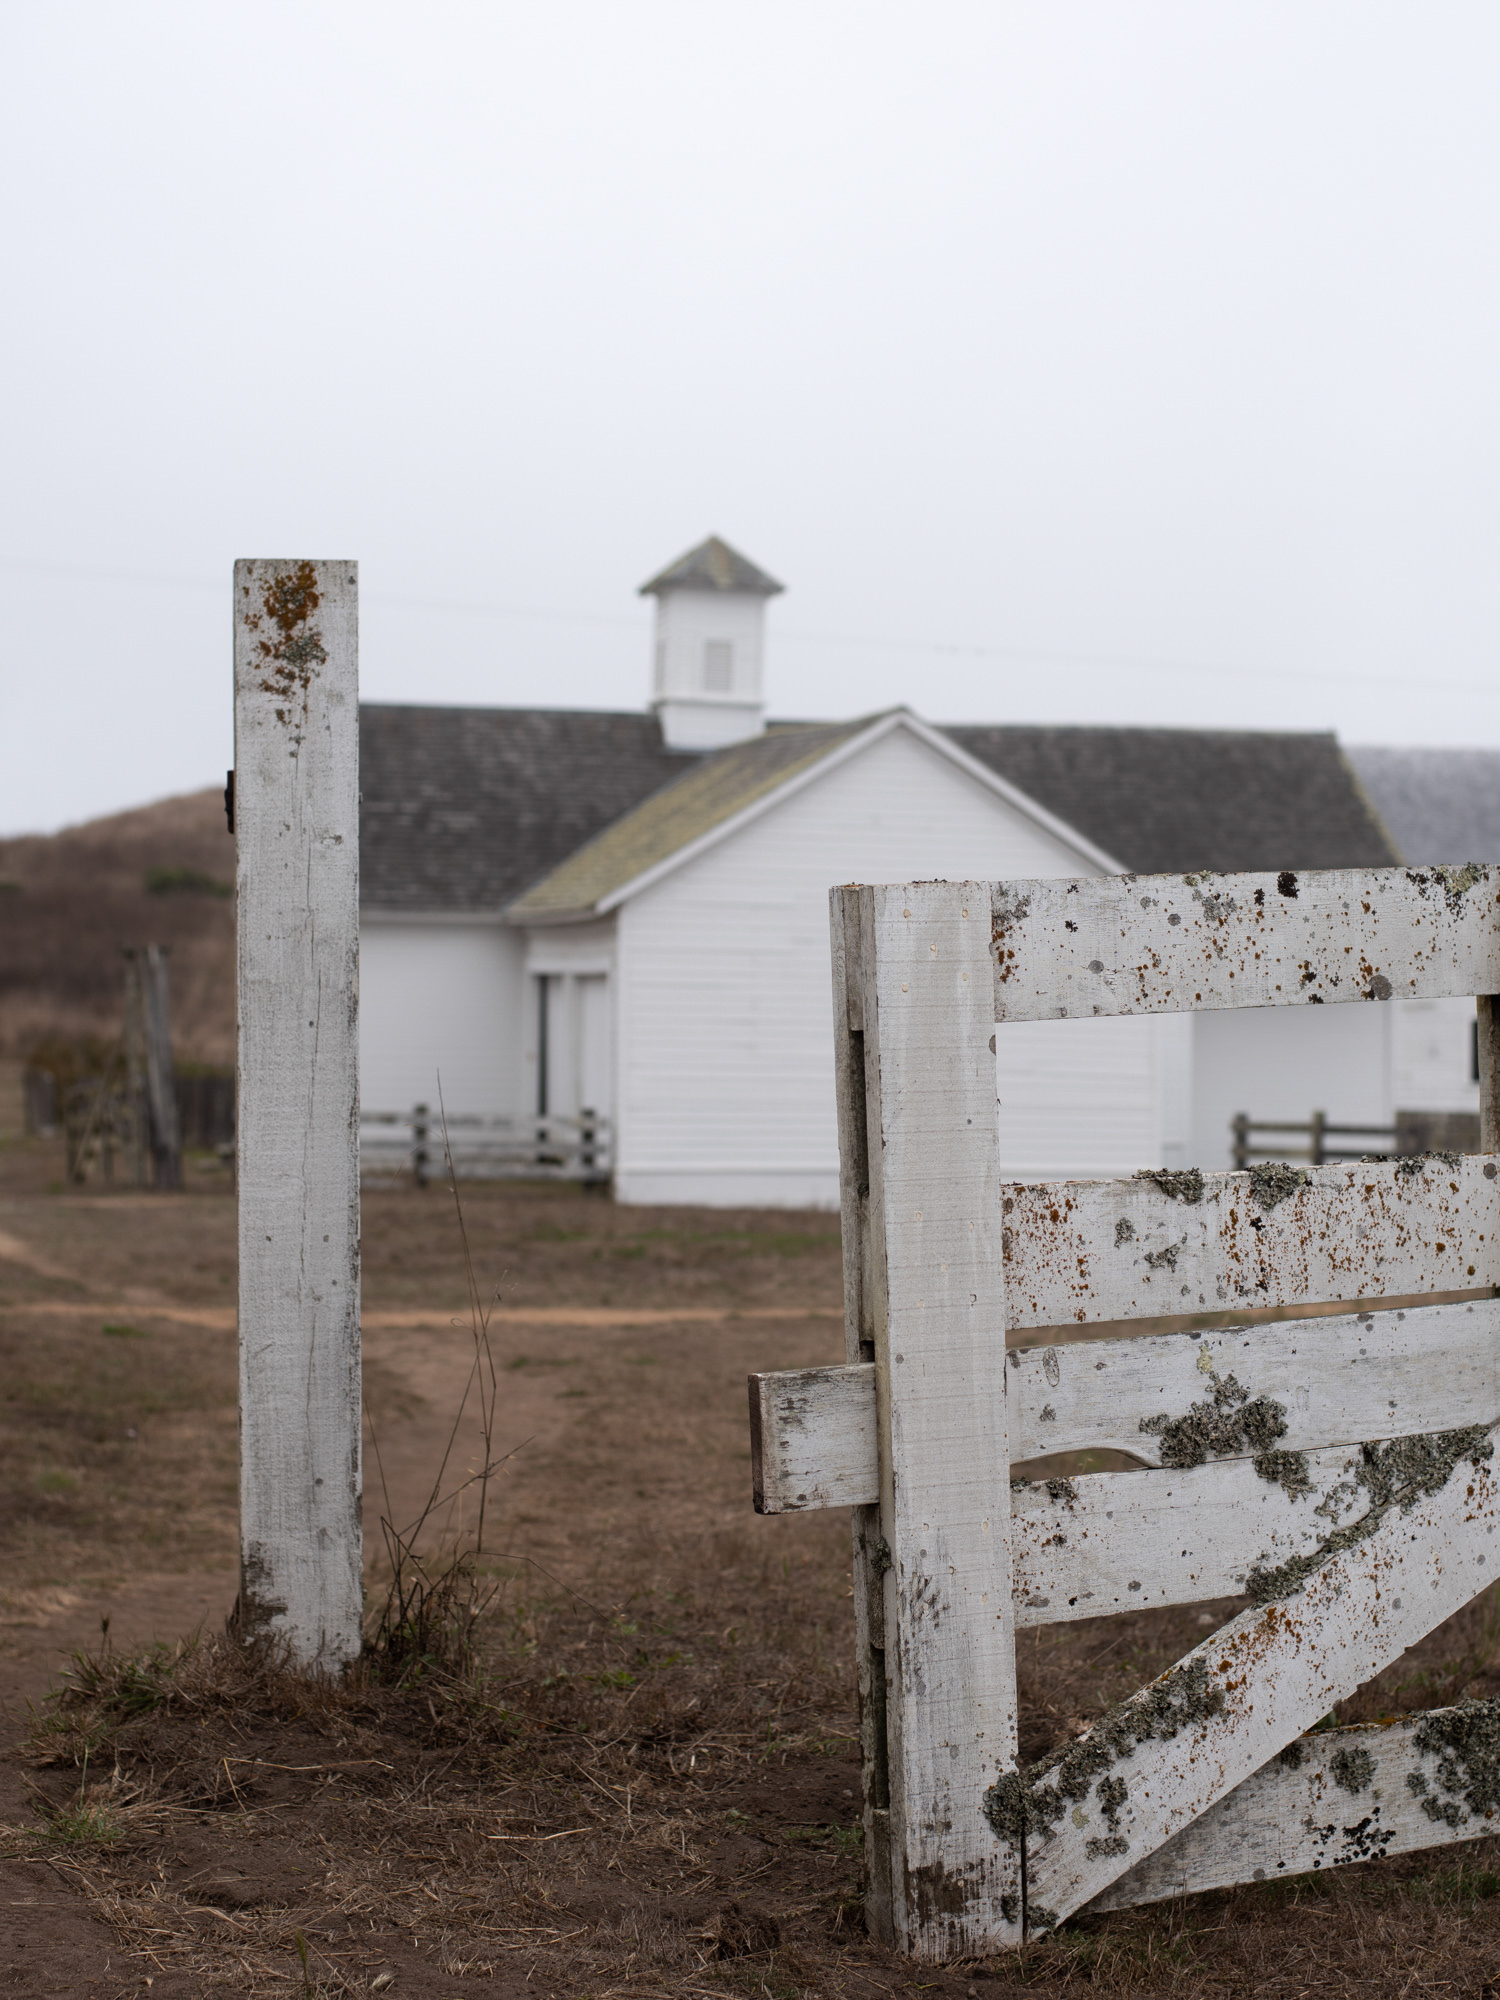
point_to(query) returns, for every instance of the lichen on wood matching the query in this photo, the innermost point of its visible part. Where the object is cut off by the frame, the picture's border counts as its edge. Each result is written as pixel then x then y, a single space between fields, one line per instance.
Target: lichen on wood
pixel 1352 1769
pixel 1273 1182
pixel 1185 1186
pixel 1228 1425
pixel 1396 1474
pixel 1465 1740
pixel 1286 1469
pixel 295 650
pixel 1033 1801
pixel 1412 1164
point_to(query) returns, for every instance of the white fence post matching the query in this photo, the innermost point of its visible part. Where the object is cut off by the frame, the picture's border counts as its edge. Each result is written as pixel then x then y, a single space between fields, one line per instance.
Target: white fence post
pixel 296 809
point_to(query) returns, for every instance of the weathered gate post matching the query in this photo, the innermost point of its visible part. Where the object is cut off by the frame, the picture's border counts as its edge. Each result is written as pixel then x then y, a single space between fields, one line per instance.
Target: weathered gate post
pixel 296 811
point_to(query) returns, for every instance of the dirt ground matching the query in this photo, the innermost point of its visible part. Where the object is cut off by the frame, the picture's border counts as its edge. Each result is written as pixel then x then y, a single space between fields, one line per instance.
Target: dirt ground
pixel 648 1785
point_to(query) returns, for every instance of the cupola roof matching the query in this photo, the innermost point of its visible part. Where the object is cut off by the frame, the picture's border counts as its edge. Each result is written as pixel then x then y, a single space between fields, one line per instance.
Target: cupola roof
pixel 713 565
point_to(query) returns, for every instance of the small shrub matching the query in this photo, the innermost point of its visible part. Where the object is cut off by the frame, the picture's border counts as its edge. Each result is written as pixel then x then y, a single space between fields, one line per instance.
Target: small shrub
pixel 185 882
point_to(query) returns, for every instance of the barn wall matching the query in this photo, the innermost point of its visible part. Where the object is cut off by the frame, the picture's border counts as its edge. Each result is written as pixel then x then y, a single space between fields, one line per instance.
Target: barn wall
pixel 725 1081
pixel 1435 1056
pixel 441 997
pixel 578 961
pixel 1091 1099
pixel 1286 1063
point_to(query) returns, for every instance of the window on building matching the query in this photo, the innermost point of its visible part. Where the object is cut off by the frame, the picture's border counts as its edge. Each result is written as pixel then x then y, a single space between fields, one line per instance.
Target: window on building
pixel 718 666
pixel 1473 1052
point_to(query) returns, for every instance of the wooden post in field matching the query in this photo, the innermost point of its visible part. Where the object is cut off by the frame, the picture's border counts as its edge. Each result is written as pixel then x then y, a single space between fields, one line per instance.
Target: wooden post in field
pixel 161 1074
pixel 135 1066
pixel 296 721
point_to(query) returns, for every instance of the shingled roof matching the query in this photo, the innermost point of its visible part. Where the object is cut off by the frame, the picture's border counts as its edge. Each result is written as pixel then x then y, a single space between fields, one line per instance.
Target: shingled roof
pixel 463 808
pixel 1164 800
pixel 1440 805
pixel 466 810
pixel 713 565
pixel 704 798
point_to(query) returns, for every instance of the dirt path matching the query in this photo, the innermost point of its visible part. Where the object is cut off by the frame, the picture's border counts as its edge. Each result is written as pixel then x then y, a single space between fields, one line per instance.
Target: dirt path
pixel 223 1317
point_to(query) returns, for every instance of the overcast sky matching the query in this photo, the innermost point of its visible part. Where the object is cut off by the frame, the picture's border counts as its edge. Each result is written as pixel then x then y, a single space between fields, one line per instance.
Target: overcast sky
pixel 1072 362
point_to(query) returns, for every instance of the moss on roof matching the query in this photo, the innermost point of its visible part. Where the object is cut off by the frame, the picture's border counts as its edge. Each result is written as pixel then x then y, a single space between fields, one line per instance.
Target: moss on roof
pixel 704 797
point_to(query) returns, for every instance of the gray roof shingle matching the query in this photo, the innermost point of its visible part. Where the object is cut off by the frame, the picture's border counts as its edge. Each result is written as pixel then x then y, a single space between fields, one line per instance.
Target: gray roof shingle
pixel 713 565
pixel 464 809
pixel 715 790
pixel 1164 800
pixel 1440 805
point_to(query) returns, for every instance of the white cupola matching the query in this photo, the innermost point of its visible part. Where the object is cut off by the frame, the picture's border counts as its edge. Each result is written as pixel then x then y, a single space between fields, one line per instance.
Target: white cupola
pixel 710 643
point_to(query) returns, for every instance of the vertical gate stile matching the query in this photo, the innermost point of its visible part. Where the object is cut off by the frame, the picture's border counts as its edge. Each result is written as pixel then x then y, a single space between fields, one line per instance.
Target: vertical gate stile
pixel 926 1306
pixel 1488 1006
pixel 859 1346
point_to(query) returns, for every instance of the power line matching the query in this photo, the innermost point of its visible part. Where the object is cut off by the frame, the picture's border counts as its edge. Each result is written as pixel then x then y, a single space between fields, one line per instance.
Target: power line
pixel 1199 670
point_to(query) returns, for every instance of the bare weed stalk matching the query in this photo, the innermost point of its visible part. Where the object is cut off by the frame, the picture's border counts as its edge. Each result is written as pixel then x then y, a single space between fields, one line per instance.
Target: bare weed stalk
pixel 434 1600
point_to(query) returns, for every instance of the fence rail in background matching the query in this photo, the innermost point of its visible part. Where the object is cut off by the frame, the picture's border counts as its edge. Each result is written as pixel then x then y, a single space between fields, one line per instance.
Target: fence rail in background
pixel 1320 1136
pixel 534 1148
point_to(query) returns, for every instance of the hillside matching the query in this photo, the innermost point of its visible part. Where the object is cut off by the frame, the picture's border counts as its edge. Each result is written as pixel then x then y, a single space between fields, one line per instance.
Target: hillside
pixel 161 874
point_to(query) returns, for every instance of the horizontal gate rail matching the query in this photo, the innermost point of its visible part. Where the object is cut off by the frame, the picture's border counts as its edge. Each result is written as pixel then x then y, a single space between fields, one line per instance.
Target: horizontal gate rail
pixel 1084 1251
pixel 1157 944
pixel 1314 1383
pixel 1334 1797
pixel 1335 1466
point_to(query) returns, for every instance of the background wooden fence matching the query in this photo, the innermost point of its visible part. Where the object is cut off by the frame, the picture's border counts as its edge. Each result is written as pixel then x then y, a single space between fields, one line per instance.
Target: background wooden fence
pixel 534 1148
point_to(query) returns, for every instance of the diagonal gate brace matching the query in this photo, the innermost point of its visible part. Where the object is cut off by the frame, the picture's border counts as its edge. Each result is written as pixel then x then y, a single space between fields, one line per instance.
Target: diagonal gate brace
pixel 1159 1760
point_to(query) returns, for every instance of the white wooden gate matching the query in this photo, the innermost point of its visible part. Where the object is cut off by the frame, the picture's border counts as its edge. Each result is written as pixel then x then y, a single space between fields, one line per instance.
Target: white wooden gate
pixel 1336 1470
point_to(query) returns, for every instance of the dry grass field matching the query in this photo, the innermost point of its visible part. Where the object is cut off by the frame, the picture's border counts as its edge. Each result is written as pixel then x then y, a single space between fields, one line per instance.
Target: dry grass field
pixel 644 1783
pixel 161 874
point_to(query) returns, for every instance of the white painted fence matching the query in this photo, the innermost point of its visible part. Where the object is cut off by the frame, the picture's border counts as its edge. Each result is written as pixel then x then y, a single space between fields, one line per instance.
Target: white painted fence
pixel 1336 1470
pixel 421 1142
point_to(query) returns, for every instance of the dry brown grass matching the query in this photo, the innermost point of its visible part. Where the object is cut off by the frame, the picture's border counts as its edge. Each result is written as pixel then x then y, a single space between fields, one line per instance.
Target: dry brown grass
pixel 69 901
pixel 655 1801
pixel 644 1781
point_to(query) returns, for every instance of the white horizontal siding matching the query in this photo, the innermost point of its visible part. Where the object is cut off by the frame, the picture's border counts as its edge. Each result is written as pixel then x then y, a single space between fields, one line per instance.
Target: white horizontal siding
pixel 1434 1056
pixel 1285 1063
pixel 1089 1099
pixel 726 1064
pixel 440 999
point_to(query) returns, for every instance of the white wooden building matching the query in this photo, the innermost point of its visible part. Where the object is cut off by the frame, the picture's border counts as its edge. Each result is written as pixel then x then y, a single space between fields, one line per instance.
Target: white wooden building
pixel 628 912
pixel 1439 806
